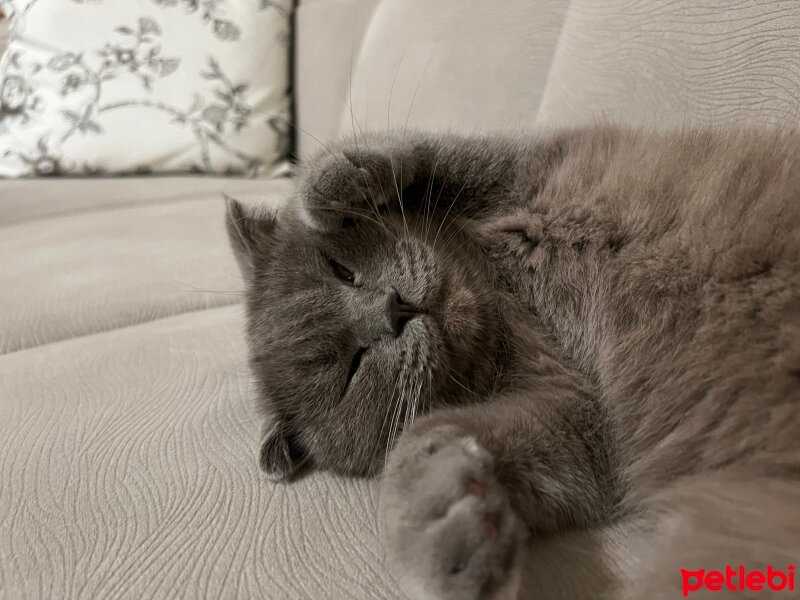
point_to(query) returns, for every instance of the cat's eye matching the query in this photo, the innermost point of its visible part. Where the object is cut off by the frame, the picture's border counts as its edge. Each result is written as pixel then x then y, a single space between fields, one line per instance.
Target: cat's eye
pixel 342 273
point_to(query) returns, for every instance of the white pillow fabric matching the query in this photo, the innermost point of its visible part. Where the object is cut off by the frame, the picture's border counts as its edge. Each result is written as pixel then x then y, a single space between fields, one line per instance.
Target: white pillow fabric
pixel 137 86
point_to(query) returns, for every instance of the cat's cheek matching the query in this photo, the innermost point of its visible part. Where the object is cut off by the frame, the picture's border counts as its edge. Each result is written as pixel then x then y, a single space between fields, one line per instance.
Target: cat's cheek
pixel 460 319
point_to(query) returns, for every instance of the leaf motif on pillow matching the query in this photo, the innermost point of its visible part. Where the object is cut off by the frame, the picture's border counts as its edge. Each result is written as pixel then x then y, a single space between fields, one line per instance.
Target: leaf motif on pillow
pixel 210 13
pixel 169 66
pixel 148 25
pixel 83 122
pixel 226 30
pixel 62 62
pixel 44 162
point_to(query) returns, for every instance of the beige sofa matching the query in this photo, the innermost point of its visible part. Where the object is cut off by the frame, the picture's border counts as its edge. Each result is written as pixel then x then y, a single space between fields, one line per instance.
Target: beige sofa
pixel 128 436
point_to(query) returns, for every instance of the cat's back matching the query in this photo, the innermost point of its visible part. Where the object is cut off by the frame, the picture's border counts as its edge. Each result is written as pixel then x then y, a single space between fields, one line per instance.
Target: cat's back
pixel 689 180
pixel 681 237
pixel 726 198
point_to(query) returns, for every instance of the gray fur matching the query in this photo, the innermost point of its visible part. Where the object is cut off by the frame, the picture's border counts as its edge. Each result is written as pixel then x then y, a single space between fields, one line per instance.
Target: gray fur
pixel 611 334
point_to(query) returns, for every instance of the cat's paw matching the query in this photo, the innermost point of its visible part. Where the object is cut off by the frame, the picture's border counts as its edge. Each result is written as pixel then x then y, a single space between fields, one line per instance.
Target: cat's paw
pixel 447 525
pixel 352 181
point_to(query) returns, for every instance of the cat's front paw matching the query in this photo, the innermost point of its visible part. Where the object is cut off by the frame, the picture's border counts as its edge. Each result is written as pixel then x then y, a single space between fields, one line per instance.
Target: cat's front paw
pixel 446 521
pixel 354 180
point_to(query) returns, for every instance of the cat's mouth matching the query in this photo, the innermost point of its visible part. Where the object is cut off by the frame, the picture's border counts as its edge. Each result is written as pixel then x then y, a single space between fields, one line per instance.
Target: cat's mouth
pixel 355 363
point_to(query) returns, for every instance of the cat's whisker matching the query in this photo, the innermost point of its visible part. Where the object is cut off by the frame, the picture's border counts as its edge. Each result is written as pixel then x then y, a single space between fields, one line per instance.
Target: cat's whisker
pixel 444 219
pixel 353 118
pixel 399 192
pixel 313 137
pixel 438 198
pixel 459 384
pixel 200 290
pixel 459 228
pixel 388 130
pixel 429 193
pixel 459 222
pixel 394 402
pixel 361 215
pixel 414 97
pixel 395 424
pixel 405 130
pixel 368 198
pixel 204 291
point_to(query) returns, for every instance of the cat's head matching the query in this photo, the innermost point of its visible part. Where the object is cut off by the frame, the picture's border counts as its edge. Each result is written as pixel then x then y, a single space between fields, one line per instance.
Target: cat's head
pixel 354 332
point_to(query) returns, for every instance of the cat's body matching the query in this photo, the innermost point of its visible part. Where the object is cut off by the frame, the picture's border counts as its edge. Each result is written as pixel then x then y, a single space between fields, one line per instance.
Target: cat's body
pixel 603 328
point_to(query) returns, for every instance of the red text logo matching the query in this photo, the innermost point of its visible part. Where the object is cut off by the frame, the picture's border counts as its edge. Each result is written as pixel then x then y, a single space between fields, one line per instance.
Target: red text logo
pixel 738 579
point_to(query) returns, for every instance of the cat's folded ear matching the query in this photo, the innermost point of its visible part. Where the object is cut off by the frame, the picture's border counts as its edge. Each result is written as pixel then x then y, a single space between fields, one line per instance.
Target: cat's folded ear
pixel 251 231
pixel 281 455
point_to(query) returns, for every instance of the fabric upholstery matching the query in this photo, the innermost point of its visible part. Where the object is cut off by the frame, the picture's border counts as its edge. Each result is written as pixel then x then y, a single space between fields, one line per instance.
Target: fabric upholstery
pixel 119 260
pixel 128 431
pixel 31 199
pixel 328 37
pixel 450 64
pixel 469 65
pixel 668 62
pixel 79 78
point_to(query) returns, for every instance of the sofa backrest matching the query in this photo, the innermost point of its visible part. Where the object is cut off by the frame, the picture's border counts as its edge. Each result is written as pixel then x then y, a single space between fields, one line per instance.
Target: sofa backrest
pixel 473 65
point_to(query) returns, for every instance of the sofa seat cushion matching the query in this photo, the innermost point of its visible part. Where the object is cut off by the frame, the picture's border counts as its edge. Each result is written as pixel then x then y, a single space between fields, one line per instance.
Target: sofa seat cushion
pixel 124 252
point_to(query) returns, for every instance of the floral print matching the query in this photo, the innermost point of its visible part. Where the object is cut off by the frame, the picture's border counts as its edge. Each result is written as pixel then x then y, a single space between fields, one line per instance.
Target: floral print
pixel 209 14
pixel 80 90
pixel 43 163
pixel 16 98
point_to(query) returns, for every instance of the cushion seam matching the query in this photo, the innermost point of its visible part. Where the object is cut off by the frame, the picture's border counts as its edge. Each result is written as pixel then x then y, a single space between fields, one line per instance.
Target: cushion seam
pixel 120 328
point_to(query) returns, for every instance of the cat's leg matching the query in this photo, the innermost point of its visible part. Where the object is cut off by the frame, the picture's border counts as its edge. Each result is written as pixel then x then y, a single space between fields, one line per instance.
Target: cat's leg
pixel 453 529
pixel 448 527
pixel 687 540
pixel 447 174
pixel 717 522
pixel 464 487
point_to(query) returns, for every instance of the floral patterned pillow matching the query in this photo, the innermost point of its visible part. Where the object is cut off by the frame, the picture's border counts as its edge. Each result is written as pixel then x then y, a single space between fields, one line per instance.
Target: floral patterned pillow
pixel 142 86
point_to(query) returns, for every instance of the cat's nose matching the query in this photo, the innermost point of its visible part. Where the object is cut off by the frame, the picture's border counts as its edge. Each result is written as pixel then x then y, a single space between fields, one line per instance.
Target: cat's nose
pixel 399 312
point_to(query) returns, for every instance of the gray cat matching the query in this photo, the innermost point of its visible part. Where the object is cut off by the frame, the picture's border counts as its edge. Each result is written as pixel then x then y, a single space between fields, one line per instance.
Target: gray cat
pixel 592 333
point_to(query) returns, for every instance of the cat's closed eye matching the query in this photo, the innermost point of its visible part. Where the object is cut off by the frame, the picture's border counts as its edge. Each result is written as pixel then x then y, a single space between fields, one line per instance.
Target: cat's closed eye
pixel 341 272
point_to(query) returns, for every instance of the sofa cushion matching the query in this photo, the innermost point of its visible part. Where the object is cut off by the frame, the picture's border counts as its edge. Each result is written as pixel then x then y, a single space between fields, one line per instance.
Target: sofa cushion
pixel 472 65
pixel 328 35
pixel 449 64
pixel 128 252
pixel 670 62
pixel 467 65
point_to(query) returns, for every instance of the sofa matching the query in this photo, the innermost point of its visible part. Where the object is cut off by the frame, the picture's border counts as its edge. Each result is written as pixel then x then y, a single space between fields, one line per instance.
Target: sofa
pixel 128 428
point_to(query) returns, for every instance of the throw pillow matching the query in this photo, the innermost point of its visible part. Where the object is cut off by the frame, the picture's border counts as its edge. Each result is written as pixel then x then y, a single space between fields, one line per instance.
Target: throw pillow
pixel 138 86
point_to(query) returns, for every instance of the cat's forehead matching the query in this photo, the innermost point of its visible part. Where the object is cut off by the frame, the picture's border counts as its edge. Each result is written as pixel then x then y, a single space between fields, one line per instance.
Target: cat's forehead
pixel 376 236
